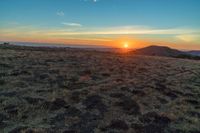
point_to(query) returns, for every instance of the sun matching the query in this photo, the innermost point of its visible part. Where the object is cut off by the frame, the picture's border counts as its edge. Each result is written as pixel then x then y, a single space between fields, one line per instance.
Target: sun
pixel 126 45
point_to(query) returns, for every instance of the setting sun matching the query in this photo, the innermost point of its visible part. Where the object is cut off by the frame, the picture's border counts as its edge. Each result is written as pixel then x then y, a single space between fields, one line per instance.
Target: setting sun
pixel 126 45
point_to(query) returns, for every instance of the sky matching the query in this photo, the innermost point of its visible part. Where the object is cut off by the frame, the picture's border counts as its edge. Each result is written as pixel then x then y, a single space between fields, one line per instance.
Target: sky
pixel 138 23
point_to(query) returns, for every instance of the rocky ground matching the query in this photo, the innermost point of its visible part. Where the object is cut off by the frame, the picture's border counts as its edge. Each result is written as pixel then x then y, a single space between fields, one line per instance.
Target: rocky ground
pixel 79 91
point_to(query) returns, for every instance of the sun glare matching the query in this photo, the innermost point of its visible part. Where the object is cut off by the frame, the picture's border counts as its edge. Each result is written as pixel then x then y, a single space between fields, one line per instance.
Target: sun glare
pixel 126 45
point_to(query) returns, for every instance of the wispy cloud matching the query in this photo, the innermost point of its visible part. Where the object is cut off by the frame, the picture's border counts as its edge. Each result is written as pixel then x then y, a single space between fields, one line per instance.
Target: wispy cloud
pixel 60 13
pixel 91 1
pixel 189 37
pixel 76 31
pixel 126 30
pixel 72 24
pixel 121 30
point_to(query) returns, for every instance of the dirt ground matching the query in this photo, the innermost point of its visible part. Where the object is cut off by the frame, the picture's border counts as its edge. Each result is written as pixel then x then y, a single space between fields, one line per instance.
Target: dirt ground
pixel 79 91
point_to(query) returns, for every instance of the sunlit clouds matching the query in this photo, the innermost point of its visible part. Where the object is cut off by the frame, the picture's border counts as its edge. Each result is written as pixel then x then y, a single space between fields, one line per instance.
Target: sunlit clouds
pixel 78 34
pixel 126 31
pixel 189 37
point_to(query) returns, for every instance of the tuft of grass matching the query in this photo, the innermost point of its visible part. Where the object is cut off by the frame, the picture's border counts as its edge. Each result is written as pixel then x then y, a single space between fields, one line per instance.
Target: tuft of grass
pixel 2 82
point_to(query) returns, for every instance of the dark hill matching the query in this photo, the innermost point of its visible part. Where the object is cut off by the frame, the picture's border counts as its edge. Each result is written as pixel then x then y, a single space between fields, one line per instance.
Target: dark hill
pixel 194 52
pixel 159 51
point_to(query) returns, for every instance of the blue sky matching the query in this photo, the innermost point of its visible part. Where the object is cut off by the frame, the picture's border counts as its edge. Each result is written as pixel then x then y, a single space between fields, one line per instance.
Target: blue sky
pixel 178 20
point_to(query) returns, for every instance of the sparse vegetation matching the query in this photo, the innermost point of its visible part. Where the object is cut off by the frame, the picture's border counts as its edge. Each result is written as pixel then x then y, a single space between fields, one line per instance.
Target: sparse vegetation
pixel 74 90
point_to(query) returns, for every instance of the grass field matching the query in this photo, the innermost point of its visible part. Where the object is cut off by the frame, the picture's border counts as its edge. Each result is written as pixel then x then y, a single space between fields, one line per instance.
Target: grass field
pixel 79 91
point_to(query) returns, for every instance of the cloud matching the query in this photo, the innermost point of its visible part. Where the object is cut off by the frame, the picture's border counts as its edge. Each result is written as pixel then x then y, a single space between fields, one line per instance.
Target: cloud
pixel 90 1
pixel 189 37
pixel 60 13
pixel 126 30
pixel 76 30
pixel 72 24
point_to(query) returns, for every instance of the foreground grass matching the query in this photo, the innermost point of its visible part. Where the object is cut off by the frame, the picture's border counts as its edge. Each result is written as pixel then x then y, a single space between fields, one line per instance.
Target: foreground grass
pixel 74 90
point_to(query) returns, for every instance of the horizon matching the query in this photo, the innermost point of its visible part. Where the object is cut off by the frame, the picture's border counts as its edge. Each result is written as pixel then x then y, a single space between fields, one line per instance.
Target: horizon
pixel 87 46
pixel 113 23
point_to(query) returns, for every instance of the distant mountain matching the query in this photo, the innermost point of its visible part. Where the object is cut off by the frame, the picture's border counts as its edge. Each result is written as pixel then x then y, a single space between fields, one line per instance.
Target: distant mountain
pixel 167 52
pixel 194 52
pixel 159 51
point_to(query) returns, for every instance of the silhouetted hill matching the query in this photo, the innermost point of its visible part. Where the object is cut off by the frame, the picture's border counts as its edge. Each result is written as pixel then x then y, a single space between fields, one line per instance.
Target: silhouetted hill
pixel 159 51
pixel 167 52
pixel 194 52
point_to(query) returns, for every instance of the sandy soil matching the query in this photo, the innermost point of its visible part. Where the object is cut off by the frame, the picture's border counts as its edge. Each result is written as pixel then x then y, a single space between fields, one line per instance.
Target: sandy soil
pixel 79 91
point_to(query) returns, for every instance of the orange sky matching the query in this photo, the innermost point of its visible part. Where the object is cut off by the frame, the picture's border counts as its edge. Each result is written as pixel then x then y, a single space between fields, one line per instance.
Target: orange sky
pixel 135 37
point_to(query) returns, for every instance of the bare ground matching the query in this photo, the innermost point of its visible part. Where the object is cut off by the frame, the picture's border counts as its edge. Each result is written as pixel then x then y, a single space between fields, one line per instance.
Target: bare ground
pixel 79 91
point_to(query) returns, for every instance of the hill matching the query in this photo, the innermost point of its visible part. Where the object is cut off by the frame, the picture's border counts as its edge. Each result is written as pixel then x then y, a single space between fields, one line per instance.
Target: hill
pixel 194 52
pixel 167 52
pixel 159 51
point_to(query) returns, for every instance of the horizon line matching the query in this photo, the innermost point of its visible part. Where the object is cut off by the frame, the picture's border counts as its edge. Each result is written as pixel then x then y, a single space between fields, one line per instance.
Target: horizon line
pixel 96 46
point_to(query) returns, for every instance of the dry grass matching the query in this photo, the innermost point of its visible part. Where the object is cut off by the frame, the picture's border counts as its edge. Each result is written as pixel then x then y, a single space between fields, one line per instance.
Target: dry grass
pixel 73 90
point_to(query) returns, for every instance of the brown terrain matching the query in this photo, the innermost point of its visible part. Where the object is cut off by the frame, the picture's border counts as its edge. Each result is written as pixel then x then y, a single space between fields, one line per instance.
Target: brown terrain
pixel 44 90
